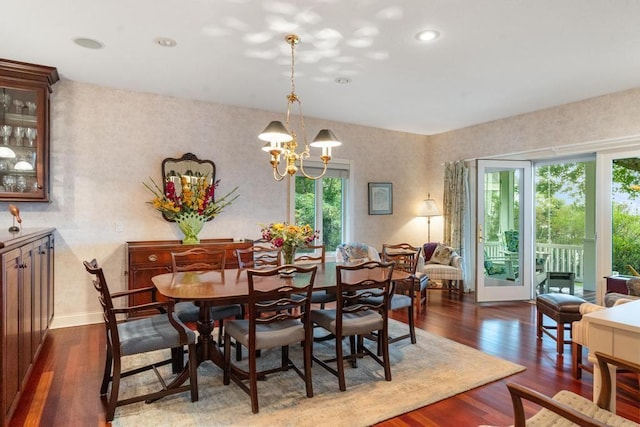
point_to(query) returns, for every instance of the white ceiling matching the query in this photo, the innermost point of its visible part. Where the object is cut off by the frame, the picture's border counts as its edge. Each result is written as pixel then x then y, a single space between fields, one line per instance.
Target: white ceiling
pixel 494 59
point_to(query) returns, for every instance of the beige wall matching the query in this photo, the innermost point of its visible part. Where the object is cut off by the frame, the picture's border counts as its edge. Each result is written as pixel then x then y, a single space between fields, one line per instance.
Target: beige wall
pixel 603 118
pixel 105 143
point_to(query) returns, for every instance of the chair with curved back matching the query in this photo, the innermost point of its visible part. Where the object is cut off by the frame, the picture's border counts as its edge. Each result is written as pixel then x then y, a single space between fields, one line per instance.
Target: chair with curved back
pixel 311 254
pixel 404 292
pixel 204 259
pixel 258 256
pixel 130 336
pixel 567 406
pixel 317 297
pixel 270 292
pixel 354 317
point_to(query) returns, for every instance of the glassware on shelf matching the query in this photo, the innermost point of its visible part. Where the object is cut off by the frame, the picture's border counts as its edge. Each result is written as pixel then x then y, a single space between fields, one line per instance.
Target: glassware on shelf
pixel 31 134
pixel 5 133
pixel 9 181
pixel 21 184
pixel 4 165
pixel 18 104
pixel 18 133
pixel 5 100
pixel 31 107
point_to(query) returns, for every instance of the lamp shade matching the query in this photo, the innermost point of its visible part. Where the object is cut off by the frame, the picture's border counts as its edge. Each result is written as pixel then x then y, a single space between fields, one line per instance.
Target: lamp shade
pixel 325 139
pixel 275 132
pixel 429 208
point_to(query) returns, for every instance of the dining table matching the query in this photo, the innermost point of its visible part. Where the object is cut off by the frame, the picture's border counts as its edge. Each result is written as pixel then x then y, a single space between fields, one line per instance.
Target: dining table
pixel 231 286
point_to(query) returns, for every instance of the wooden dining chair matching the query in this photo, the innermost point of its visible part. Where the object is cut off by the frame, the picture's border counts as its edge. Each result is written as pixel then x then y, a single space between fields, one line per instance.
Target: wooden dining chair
pixel 258 256
pixel 129 336
pixel 204 259
pixel 406 292
pixel 270 292
pixel 311 254
pixel 355 317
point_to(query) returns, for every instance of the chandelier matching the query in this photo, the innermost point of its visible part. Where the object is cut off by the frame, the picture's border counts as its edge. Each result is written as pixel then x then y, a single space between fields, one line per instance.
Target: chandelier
pixel 281 143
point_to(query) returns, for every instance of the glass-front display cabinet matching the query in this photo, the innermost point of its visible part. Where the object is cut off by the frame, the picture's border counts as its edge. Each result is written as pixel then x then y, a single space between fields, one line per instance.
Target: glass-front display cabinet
pixel 24 130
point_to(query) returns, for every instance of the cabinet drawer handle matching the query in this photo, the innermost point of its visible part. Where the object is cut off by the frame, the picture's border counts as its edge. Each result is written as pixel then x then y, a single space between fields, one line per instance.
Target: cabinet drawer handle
pixel 153 258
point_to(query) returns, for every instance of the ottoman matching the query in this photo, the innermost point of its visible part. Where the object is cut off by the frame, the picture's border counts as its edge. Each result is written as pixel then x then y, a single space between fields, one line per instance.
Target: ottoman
pixel 563 309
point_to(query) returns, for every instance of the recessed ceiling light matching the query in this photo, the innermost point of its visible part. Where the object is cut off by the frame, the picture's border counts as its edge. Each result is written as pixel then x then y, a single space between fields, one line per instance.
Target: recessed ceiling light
pixel 342 80
pixel 165 42
pixel 88 43
pixel 427 35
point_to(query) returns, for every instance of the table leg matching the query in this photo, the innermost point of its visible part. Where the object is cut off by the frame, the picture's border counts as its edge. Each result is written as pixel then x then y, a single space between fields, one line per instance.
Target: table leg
pixel 207 348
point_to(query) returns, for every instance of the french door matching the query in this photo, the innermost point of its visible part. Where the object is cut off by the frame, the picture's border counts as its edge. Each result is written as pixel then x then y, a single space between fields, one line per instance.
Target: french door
pixel 504 235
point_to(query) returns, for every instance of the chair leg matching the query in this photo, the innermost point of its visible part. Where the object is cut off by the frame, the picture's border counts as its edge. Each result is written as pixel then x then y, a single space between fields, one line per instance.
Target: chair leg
pixel 226 376
pixel 412 329
pixel 340 364
pixel 539 325
pixel 193 371
pixel 307 348
pixel 560 338
pixel 220 329
pixel 354 351
pixel 253 382
pixel 576 360
pixel 106 377
pixel 115 388
pixel 385 353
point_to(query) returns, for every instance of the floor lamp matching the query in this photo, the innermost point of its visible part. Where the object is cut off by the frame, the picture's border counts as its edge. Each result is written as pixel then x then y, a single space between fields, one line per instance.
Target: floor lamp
pixel 429 209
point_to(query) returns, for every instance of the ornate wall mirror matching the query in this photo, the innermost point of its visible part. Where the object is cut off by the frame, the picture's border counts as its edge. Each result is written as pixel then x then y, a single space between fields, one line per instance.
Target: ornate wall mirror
pixel 187 166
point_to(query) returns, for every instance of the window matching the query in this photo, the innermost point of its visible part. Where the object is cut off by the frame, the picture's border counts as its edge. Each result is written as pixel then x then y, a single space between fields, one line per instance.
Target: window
pixel 322 203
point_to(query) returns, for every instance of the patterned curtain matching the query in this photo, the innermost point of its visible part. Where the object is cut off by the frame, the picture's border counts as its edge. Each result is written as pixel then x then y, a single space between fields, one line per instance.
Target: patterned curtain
pixel 455 203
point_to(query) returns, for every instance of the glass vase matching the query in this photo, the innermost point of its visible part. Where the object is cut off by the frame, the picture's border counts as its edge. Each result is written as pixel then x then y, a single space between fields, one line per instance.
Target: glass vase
pixel 288 254
pixel 190 224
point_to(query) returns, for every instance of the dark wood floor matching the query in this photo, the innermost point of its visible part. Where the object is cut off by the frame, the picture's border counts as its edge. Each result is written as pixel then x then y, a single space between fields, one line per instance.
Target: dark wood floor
pixel 63 388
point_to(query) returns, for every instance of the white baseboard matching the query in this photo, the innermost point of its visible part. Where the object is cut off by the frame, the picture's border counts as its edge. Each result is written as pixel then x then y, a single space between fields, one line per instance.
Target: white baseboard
pixel 77 320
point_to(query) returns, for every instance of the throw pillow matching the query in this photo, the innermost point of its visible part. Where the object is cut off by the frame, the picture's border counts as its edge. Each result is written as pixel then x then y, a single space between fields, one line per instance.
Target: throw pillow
pixel 633 286
pixel 442 255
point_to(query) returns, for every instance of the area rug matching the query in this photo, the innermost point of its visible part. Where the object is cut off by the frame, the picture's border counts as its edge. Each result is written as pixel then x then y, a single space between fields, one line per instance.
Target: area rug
pixel 433 369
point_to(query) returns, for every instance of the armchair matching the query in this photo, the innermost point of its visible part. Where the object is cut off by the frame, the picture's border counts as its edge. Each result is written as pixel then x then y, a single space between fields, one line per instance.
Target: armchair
pixel 442 263
pixel 356 252
pixel 566 405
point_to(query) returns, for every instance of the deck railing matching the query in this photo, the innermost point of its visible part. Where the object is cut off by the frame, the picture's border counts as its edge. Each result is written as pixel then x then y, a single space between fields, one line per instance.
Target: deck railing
pixel 568 258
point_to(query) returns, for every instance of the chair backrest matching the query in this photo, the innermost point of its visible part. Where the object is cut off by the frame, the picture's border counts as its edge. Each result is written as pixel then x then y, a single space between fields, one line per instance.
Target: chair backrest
pixel 199 259
pixel 405 256
pixel 356 252
pixel 270 291
pixel 258 256
pixel 104 297
pixel 313 256
pixel 357 283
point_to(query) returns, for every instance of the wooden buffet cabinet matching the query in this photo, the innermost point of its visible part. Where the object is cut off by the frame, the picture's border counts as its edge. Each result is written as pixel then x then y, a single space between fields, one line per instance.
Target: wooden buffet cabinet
pixel 146 259
pixel 27 308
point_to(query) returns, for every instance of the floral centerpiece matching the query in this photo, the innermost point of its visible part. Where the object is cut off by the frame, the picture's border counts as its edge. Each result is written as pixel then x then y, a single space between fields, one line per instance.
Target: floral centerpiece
pixel 288 237
pixel 192 207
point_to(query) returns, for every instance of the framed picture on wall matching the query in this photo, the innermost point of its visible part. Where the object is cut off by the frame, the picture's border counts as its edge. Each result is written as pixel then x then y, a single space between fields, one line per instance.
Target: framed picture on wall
pixel 380 198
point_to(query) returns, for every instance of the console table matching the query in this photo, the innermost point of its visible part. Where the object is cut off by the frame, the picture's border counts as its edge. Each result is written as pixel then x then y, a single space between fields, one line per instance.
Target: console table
pixel 149 258
pixel 618 283
pixel 614 331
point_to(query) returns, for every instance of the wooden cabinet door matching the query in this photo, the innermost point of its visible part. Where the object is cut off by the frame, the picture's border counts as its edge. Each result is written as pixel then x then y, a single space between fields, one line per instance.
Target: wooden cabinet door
pixel 25 324
pixel 11 337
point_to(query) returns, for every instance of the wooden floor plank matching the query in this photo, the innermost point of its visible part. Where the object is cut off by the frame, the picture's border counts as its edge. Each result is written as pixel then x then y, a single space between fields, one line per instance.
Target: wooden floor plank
pixel 64 387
